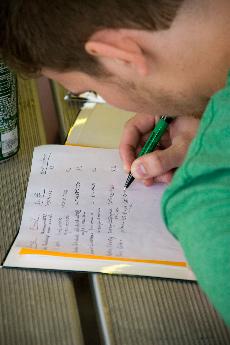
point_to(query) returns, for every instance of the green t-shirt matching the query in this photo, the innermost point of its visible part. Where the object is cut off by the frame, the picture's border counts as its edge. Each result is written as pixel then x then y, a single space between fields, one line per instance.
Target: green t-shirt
pixel 196 206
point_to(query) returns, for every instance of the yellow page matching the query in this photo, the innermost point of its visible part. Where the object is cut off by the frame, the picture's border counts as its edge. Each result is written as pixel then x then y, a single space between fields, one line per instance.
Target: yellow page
pixel 98 126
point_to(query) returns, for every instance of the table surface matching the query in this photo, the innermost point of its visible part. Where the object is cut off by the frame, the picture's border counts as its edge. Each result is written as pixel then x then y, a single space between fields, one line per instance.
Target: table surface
pixel 37 307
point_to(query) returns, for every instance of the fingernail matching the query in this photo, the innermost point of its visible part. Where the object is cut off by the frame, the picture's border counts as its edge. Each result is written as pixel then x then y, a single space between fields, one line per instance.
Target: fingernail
pixel 139 171
pixel 126 168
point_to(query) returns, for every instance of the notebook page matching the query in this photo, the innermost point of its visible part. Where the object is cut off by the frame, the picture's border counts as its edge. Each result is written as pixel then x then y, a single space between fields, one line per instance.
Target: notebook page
pixel 75 203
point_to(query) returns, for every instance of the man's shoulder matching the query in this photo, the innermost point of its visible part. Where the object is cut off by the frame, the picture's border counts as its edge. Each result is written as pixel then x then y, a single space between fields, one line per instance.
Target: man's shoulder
pixel 207 163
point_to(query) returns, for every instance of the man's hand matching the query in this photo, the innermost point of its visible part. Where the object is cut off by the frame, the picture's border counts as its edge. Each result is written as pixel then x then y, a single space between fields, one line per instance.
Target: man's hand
pixel 159 165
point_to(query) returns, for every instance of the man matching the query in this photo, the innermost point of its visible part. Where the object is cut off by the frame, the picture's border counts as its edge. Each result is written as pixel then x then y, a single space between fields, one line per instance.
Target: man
pixel 152 57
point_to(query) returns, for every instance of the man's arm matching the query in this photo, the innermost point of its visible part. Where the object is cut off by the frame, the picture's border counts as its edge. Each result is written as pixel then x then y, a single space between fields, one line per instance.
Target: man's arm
pixel 196 206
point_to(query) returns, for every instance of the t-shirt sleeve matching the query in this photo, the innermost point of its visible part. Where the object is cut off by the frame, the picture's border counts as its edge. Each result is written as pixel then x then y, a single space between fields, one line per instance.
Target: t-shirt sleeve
pixel 196 207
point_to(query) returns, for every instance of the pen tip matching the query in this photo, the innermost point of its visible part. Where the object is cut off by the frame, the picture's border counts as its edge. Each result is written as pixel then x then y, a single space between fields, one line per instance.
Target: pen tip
pixel 124 188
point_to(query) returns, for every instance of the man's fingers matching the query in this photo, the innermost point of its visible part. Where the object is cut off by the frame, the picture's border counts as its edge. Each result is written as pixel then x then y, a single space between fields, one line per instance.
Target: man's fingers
pixel 127 154
pixel 158 162
pixel 155 166
pixel 165 178
pixel 132 134
pixel 128 144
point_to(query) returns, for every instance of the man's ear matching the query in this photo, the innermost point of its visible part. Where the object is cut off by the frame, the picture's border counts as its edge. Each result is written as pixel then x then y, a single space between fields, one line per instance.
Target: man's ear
pixel 114 47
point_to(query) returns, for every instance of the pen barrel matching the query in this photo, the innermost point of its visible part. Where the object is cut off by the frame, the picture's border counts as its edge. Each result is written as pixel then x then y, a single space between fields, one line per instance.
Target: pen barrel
pixel 154 137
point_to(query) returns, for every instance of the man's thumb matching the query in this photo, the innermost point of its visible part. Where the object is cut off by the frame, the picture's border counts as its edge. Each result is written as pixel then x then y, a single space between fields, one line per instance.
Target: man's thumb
pixel 156 163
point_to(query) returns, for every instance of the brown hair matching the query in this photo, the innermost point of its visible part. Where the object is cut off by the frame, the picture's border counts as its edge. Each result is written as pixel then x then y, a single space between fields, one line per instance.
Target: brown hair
pixel 52 34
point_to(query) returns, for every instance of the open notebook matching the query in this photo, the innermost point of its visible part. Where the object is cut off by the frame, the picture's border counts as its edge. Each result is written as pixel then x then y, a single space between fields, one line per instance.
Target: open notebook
pixel 78 217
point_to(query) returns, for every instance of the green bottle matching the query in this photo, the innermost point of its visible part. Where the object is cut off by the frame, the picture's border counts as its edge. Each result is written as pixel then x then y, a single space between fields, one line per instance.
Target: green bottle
pixel 9 120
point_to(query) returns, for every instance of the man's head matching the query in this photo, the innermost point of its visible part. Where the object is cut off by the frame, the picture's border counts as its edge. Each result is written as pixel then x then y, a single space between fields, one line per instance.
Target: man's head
pixel 154 56
pixel 53 33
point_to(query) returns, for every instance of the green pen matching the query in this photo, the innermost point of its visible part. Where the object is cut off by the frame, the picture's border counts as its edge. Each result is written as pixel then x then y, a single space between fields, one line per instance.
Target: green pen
pixel 152 142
